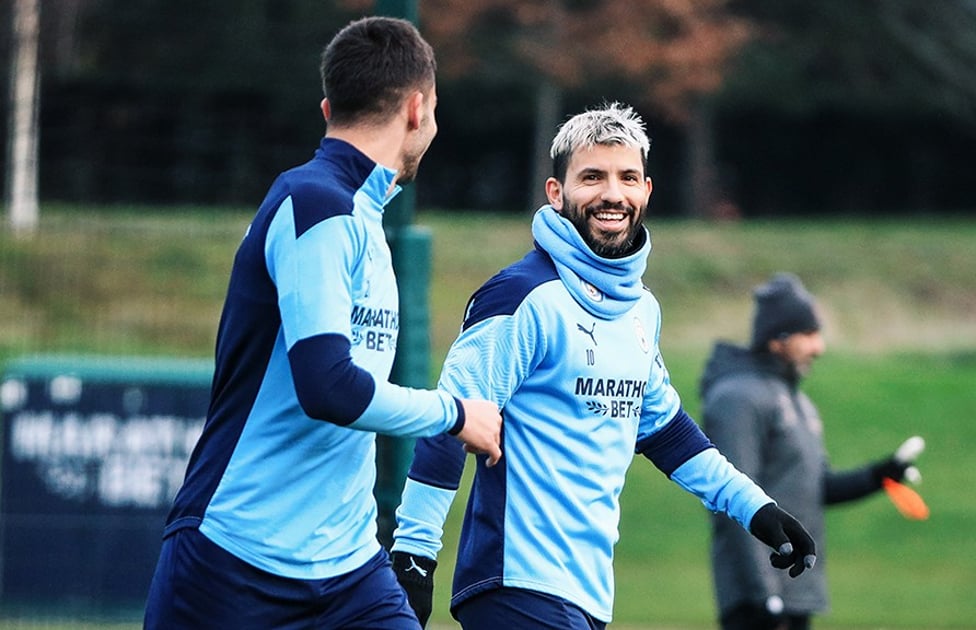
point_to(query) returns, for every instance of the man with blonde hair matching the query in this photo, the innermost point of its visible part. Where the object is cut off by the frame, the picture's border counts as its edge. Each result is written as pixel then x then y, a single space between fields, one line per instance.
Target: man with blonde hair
pixel 566 343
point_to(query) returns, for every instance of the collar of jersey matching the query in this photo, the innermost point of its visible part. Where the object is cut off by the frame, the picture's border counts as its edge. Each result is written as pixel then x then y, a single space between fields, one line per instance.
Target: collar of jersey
pixel 379 179
pixel 606 287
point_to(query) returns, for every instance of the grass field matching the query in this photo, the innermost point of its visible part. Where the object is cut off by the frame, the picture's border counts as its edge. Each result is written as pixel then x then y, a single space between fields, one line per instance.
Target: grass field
pixel 900 304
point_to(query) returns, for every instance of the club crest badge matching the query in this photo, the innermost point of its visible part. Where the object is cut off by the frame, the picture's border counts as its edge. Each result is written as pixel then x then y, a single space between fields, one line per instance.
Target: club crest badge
pixel 591 291
pixel 641 336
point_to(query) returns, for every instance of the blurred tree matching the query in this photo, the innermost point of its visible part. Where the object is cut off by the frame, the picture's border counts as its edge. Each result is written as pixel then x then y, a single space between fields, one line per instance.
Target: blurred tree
pixel 876 99
pixel 181 101
pixel 876 55
pixel 671 50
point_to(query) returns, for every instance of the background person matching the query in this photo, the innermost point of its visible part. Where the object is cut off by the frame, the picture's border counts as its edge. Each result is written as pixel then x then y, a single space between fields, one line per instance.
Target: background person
pixel 565 341
pixel 275 524
pixel 755 412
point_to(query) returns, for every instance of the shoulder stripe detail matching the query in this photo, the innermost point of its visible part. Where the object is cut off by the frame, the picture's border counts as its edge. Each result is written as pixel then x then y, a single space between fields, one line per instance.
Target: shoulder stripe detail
pixel 323 187
pixel 503 293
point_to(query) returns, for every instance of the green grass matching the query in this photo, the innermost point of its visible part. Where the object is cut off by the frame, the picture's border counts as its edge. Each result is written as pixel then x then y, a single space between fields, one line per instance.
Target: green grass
pixel 899 298
pixel 137 280
pixel 884 571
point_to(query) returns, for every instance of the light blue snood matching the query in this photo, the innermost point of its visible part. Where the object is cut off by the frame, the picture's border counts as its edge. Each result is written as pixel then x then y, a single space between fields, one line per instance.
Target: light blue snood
pixel 606 287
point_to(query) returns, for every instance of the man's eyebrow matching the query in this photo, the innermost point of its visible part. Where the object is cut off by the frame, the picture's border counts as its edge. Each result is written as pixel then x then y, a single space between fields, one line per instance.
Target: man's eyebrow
pixel 587 170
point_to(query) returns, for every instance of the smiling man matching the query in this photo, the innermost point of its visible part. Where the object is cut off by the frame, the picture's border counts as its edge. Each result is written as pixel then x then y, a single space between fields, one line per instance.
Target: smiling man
pixel 605 194
pixel 565 342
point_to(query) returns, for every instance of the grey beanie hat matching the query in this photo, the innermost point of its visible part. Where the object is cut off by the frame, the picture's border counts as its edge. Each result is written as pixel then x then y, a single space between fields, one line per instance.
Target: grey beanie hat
pixel 782 307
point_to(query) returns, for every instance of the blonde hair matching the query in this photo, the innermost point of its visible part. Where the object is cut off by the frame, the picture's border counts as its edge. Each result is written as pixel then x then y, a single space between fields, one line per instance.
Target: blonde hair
pixel 611 124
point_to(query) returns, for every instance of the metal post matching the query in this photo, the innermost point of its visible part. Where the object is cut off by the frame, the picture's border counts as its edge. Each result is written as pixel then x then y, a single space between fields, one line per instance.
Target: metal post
pixel 411 249
pixel 22 148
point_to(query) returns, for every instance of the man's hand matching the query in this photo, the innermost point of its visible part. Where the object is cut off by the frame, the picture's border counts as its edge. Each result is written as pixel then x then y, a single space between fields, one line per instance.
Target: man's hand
pixel 901 465
pixel 416 576
pixel 889 468
pixel 794 547
pixel 482 431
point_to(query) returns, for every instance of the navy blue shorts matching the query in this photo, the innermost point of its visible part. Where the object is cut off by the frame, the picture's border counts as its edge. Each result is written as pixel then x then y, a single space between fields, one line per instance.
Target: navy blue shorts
pixel 518 608
pixel 197 584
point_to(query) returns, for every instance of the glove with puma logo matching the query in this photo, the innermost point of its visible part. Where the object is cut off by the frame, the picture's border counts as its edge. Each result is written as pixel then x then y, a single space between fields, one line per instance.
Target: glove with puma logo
pixel 416 576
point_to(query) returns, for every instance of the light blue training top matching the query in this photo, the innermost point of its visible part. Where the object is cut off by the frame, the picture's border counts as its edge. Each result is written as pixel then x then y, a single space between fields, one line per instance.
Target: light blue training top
pixel 283 474
pixel 567 344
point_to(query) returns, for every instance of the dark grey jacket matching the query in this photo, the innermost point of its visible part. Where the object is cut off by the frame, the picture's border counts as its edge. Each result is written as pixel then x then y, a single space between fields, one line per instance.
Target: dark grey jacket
pixel 758 418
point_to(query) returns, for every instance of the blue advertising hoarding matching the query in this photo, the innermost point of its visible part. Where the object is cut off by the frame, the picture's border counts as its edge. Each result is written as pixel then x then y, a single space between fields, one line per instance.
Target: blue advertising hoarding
pixel 94 450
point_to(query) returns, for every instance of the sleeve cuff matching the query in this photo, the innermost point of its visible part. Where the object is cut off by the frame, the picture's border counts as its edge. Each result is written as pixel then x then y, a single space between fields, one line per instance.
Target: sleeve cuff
pixel 459 423
pixel 420 519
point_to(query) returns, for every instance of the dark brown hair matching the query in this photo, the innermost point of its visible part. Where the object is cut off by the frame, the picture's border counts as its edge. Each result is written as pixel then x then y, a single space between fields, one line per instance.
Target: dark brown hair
pixel 371 65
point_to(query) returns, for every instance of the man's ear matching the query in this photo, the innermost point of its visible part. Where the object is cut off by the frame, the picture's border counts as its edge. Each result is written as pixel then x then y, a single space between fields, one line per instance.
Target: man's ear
pixel 326 108
pixel 554 193
pixel 415 110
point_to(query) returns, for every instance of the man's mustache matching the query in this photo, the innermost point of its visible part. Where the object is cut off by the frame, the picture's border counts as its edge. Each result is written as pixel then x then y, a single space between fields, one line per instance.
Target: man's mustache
pixel 607 205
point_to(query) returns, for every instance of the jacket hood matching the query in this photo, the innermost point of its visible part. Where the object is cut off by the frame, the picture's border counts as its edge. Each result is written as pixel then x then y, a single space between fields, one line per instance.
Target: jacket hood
pixel 728 359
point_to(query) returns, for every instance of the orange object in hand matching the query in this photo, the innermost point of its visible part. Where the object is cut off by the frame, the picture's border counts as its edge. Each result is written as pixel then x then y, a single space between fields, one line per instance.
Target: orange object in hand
pixel 908 502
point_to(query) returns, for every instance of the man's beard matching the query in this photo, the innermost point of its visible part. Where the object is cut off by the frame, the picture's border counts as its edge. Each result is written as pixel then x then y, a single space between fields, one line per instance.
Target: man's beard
pixel 408 172
pixel 599 244
pixel 414 153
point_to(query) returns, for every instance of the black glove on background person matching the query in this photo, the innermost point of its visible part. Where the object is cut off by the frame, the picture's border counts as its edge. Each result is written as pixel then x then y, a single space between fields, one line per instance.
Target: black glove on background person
pixel 794 547
pixel 892 468
pixel 901 466
pixel 416 575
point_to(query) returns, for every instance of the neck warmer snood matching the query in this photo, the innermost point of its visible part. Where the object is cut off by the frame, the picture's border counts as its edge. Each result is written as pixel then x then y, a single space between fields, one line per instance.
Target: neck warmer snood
pixel 606 287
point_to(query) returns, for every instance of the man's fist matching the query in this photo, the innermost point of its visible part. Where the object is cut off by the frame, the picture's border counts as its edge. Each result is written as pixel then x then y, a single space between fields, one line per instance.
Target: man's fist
pixel 416 575
pixel 901 465
pixel 482 430
pixel 794 547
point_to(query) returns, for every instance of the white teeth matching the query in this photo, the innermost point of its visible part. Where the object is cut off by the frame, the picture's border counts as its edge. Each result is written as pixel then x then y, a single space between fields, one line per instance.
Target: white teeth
pixel 609 216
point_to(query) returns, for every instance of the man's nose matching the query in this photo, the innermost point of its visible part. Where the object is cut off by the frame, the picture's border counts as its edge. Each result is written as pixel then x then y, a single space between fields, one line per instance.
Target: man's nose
pixel 612 192
pixel 819 345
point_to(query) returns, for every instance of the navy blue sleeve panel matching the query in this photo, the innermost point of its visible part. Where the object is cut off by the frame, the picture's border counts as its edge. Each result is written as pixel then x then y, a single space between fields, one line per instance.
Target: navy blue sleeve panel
pixel 249 323
pixel 328 384
pixel 318 189
pixel 850 485
pixel 236 383
pixel 246 336
pixel 438 461
pixel 503 293
pixel 679 440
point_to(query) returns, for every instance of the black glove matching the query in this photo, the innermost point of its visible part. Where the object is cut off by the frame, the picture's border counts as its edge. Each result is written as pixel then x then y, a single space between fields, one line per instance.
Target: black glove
pixel 891 468
pixel 794 547
pixel 416 575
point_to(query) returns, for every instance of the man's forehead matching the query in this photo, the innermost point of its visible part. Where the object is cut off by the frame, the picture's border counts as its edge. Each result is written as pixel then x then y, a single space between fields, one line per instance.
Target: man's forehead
pixel 607 157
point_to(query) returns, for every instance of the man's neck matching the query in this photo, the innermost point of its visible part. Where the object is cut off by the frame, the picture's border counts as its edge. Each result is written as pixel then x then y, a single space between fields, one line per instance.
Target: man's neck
pixel 383 145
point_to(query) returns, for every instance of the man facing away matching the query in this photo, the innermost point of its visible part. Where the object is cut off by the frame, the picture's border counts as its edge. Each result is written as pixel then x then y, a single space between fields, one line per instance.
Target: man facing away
pixel 566 342
pixel 275 524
